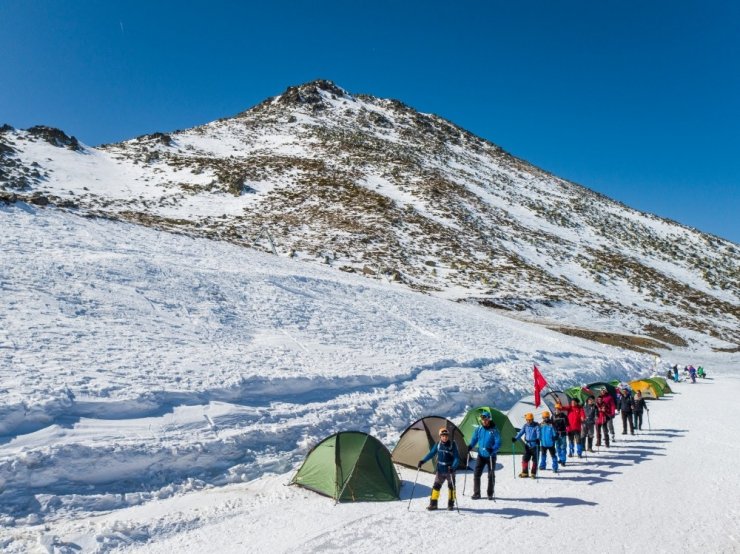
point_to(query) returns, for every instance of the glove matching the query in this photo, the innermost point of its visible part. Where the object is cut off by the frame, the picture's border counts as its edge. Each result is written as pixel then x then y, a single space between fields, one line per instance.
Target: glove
pixel 513 439
pixel 537 442
pixel 421 463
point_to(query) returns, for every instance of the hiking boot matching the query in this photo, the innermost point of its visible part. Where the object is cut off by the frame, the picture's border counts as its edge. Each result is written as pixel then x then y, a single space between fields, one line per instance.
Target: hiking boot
pixel 476 496
pixel 490 497
pixel 450 506
pixel 542 467
pixel 533 476
pixel 590 449
pixel 432 505
pixel 562 462
pixel 522 474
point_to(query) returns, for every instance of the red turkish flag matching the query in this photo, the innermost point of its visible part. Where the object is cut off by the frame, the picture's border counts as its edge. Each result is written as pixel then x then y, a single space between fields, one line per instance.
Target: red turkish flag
pixel 539 384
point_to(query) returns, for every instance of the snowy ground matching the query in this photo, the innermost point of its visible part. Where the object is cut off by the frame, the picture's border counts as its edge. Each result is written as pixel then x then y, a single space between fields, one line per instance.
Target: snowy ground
pixel 671 489
pixel 158 391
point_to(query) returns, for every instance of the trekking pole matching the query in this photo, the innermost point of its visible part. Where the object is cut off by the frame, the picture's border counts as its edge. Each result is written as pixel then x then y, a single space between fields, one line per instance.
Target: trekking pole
pixel 648 414
pixel 537 464
pixel 457 500
pixel 412 488
pixel 465 477
pixel 491 477
pixel 513 457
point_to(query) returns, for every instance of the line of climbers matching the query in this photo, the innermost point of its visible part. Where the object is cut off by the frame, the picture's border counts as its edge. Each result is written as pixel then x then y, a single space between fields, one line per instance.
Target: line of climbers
pixel 569 431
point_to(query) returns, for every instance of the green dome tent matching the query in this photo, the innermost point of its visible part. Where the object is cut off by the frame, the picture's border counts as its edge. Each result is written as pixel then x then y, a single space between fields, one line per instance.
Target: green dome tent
pixel 661 382
pixel 504 426
pixel 350 466
pixel 420 436
pixel 580 394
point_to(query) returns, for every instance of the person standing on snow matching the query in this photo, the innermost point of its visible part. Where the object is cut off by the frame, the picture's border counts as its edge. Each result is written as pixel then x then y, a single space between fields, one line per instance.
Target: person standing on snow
pixel 560 424
pixel 675 373
pixel 589 424
pixel 547 442
pixel 692 373
pixel 601 422
pixel 448 460
pixel 611 411
pixel 638 405
pixel 625 408
pixel 531 433
pixel 488 439
pixel 575 420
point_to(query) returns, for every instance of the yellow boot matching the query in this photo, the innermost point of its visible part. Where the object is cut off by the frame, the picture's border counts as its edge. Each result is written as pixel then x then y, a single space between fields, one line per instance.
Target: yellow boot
pixel 433 501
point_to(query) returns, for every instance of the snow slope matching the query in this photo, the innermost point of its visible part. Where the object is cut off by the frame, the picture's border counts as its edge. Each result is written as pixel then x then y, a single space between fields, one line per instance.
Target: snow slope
pixel 158 390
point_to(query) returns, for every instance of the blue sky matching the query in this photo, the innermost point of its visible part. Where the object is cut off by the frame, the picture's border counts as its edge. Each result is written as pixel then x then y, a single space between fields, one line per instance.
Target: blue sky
pixel 637 100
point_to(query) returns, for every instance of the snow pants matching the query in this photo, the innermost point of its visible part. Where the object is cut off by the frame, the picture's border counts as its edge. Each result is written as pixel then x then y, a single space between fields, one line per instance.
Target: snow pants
pixel 610 425
pixel 587 430
pixel 481 463
pixel 587 435
pixel 439 479
pixel 627 419
pixel 561 442
pixel 602 429
pixel 530 453
pixel 637 420
pixel 543 457
pixel 574 443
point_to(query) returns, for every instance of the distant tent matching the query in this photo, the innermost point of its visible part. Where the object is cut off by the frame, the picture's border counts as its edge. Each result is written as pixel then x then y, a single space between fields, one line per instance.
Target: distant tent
pixel 504 426
pixel 525 405
pixel 350 466
pixel 420 436
pixel 611 389
pixel 555 396
pixel 614 382
pixel 661 381
pixel 580 393
pixel 648 390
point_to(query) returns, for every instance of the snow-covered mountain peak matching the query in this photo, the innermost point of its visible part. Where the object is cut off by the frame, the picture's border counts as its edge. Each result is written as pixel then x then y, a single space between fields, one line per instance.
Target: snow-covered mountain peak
pixel 372 186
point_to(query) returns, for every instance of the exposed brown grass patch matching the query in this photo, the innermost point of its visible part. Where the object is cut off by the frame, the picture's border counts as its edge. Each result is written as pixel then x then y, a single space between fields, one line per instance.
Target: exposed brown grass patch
pixel 630 342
